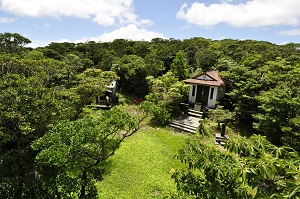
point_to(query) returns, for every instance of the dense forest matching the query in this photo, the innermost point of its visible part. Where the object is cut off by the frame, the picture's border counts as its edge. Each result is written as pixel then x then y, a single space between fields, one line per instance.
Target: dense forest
pixel 50 148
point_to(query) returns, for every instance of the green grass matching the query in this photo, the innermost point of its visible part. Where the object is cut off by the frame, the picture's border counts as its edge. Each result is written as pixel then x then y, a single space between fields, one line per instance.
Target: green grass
pixel 141 166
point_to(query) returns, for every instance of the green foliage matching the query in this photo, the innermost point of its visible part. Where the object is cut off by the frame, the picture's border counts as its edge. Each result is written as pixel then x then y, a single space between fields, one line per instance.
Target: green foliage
pixel 244 85
pixel 204 128
pixel 224 63
pixel 28 109
pixel 279 104
pixel 179 66
pixel 57 50
pixel 268 167
pixel 206 59
pixel 73 65
pixel 154 66
pixel 90 83
pixel 166 94
pixel 41 87
pixel 278 120
pixel 161 115
pixel 35 55
pixel 196 72
pixel 12 42
pixel 132 72
pixel 219 114
pixel 265 94
pixel 248 168
pixel 76 150
pixel 107 61
pixel 209 173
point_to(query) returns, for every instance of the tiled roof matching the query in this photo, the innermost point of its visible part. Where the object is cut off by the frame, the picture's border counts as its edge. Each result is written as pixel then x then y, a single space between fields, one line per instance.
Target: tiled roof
pixel 215 79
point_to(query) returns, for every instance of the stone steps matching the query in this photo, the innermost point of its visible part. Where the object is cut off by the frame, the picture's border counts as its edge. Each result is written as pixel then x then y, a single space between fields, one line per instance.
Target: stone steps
pixel 182 126
pixel 187 122
pixel 195 113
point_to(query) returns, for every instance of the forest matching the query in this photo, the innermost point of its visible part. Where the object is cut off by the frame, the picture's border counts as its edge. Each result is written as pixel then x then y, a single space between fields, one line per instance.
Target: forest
pixel 53 146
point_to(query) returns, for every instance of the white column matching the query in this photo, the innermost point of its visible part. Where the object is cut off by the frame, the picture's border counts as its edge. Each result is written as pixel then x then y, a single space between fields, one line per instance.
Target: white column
pixel 212 97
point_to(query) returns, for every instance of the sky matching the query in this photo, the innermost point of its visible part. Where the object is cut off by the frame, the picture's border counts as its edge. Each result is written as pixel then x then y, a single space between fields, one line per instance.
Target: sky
pixel 46 21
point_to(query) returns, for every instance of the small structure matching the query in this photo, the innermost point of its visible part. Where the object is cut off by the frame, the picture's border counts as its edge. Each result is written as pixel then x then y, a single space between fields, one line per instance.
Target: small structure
pixel 206 89
pixel 109 98
pixel 221 138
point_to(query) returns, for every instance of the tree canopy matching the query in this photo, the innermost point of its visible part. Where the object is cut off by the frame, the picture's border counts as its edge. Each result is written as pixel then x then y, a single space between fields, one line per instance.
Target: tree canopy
pixel 248 168
pixel 44 93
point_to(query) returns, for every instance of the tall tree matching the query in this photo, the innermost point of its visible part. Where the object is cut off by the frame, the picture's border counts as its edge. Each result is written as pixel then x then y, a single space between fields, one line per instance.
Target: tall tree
pixel 279 115
pixel 179 66
pixel 133 71
pixel 31 101
pixel 27 111
pixel 76 150
pixel 12 42
pixel 73 65
pixel 90 83
pixel 279 103
pixel 166 92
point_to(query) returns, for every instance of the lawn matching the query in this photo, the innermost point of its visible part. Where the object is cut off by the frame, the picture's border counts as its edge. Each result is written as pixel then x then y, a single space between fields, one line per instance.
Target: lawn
pixel 141 167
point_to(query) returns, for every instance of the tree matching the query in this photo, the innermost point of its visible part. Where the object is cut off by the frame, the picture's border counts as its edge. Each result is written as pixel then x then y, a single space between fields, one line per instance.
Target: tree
pixel 219 115
pixel 61 49
pixel 206 58
pixel 31 101
pixel 247 168
pixel 165 50
pixel 154 66
pixel 192 46
pixel 279 103
pixel 35 54
pixel 12 42
pixel 27 110
pixel 73 65
pixel 133 71
pixel 75 151
pixel 279 113
pixel 122 47
pixel 164 98
pixel 91 83
pixel 141 48
pixel 243 86
pixel 179 66
pixel 107 60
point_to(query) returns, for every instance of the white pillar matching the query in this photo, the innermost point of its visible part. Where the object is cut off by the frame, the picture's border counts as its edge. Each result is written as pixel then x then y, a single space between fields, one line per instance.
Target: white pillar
pixel 212 96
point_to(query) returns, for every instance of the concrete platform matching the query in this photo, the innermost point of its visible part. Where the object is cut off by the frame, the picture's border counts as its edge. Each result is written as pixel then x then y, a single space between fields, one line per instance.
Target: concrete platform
pixel 188 120
pixel 186 123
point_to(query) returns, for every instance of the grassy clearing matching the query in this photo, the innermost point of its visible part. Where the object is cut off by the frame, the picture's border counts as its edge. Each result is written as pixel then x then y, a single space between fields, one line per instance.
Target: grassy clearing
pixel 141 167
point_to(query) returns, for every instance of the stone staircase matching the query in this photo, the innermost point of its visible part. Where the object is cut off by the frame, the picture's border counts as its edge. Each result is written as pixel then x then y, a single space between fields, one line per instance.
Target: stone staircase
pixel 187 122
pixel 182 126
pixel 195 113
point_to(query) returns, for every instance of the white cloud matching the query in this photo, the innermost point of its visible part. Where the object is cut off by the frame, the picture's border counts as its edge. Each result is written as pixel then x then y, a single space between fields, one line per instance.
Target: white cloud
pixel 103 12
pixel 40 43
pixel 294 32
pixel 130 32
pixel 7 20
pixel 252 13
